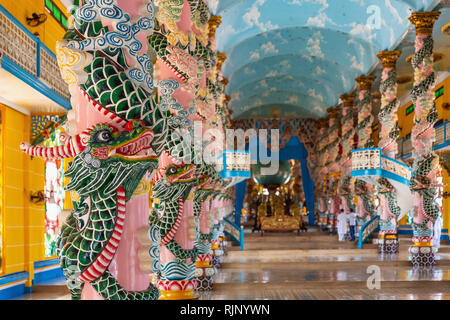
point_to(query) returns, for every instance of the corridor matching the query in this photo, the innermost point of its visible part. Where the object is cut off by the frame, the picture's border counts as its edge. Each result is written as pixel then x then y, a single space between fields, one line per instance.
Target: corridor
pixel 310 266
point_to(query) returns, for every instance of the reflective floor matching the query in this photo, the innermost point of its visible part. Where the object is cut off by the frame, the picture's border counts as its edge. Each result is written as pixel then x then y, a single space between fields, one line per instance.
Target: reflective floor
pixel 311 266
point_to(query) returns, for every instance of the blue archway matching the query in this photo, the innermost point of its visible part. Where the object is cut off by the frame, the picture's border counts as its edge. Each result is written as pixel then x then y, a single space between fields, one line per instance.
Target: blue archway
pixel 293 150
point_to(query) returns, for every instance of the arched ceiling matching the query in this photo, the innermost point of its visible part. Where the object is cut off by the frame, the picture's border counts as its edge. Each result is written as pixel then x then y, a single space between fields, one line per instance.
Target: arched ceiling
pixel 296 57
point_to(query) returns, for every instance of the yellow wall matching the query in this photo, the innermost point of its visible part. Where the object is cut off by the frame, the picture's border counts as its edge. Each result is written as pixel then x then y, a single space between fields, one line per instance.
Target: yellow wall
pixel 23 222
pixel 446 202
pixel 14 192
pixel 50 31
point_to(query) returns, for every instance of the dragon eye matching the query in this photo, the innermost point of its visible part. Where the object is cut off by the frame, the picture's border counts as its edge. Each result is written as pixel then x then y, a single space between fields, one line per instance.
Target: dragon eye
pixel 103 136
pixel 172 170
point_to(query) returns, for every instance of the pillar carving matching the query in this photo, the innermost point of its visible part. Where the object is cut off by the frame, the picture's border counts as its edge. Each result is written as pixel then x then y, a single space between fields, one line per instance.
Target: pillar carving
pixel 347 141
pixel 389 132
pixel 364 190
pixel 426 165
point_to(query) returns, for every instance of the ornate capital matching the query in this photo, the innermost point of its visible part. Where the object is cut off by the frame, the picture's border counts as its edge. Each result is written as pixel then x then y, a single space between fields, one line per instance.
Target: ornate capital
pixel 424 21
pixel 333 112
pixel 348 99
pixel 213 24
pixel 389 58
pixel 221 57
pixel 227 99
pixel 224 82
pixel 365 82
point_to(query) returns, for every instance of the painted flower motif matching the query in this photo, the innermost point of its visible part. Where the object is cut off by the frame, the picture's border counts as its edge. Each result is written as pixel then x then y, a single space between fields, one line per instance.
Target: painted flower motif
pixel 172 38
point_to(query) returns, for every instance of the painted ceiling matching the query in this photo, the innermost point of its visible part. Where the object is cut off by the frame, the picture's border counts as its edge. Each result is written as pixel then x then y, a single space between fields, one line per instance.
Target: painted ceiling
pixel 296 57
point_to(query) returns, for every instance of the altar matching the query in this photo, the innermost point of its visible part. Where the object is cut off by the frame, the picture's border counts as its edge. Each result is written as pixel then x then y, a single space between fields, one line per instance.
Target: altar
pixel 278 199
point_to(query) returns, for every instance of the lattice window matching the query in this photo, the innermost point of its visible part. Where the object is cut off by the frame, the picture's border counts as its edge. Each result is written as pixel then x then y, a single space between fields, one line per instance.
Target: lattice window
pixel 439 134
pixel 17 45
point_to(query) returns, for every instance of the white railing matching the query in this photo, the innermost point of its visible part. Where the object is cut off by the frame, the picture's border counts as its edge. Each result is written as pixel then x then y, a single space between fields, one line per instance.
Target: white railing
pixel 371 162
pixel 367 230
pixel 234 166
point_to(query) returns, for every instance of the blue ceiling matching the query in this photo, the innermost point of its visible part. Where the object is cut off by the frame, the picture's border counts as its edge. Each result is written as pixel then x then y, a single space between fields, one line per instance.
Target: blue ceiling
pixel 296 57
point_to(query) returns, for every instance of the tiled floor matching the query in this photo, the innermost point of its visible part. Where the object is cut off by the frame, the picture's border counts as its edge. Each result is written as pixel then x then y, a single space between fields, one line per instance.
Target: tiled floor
pixel 311 266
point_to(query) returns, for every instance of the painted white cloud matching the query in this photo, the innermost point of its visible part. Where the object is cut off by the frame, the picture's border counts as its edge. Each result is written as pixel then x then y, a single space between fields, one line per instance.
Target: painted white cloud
pixel 257 102
pixel 357 64
pixel 309 58
pixel 313 45
pixel 249 71
pixel 292 100
pixel 252 16
pixel 284 65
pixel 315 95
pixel 362 30
pixel 272 73
pixel 263 83
pixel 323 3
pixel 319 71
pixel 278 35
pixel 344 81
pixel 254 55
pixel 317 108
pixel 269 48
pixel 393 11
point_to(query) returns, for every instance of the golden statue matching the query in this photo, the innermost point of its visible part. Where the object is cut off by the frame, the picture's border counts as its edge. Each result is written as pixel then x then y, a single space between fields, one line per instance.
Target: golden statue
pixel 277 203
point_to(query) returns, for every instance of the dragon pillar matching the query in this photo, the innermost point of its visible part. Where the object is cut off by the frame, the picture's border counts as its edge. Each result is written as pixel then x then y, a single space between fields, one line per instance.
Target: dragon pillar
pixel 389 132
pixel 364 190
pixel 426 163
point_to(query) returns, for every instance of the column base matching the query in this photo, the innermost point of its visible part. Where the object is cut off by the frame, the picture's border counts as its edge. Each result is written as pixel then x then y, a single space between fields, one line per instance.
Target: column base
pixel 388 244
pixel 177 295
pixel 204 272
pixel 205 283
pixel 217 262
pixel 177 289
pixel 422 254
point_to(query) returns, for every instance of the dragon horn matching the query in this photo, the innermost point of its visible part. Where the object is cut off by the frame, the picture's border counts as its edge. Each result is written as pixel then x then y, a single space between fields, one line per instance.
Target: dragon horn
pixel 70 148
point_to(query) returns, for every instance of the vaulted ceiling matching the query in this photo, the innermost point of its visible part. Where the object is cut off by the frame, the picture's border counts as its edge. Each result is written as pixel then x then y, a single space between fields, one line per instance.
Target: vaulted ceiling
pixel 296 57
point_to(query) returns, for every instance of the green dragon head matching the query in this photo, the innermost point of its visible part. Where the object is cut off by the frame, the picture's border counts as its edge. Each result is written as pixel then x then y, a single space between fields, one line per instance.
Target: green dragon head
pixel 176 182
pixel 112 159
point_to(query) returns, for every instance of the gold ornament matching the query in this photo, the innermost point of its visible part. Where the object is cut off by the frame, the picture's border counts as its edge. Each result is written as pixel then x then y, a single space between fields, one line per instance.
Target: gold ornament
pixel 424 21
pixel 389 58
